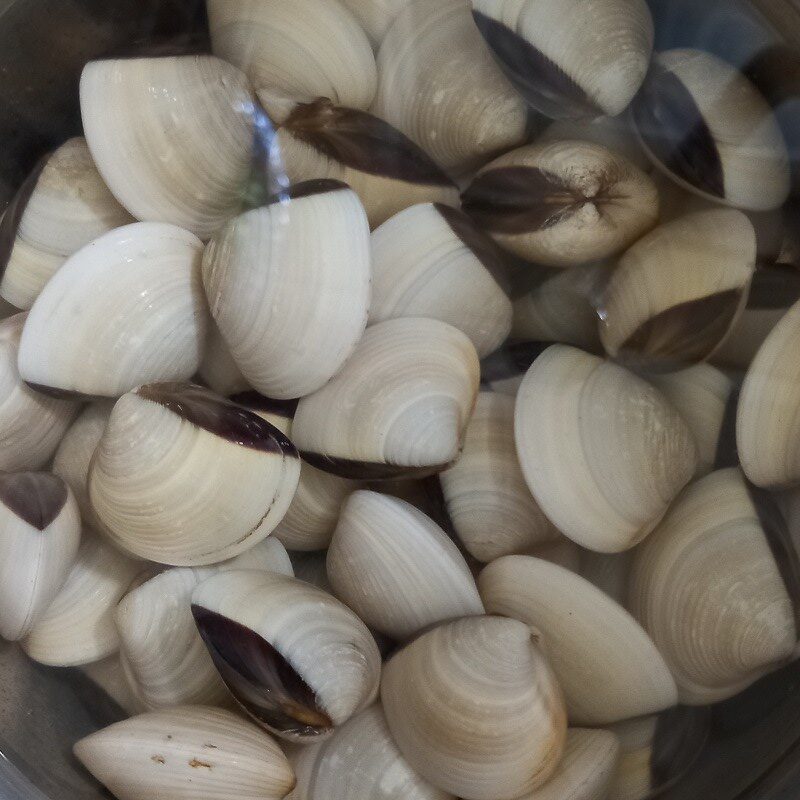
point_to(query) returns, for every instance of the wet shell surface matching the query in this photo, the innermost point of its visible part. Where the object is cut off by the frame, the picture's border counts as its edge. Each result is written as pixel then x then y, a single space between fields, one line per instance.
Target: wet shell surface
pixel 603 452
pixel 474 708
pixel 307 48
pixel 562 203
pixel 431 261
pixel 439 85
pixel 189 752
pixel 291 306
pixel 184 477
pixel 396 568
pixel 295 658
pixel 399 406
pixel 675 294
pixel 708 127
pixel 172 136
pixel 768 422
pixel 40 530
pixel 710 564
pixel 593 64
pixel 31 423
pixel 126 309
pixel 492 509
pixel 380 164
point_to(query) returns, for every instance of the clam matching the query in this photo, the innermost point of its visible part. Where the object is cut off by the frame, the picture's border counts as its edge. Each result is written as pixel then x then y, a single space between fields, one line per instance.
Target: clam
pixel 438 84
pixel 296 659
pixel 706 125
pixel 184 477
pixel 487 498
pixel 396 568
pixel 701 394
pixel 78 626
pixel 602 451
pixel 768 423
pixel 381 165
pixel 109 675
pixel 31 423
pixel 431 261
pixel 375 16
pixel 172 136
pixel 279 413
pixel 124 310
pixel 570 59
pixel 269 555
pixel 607 666
pixel 562 203
pixel 63 206
pixel 676 293
pixel 74 454
pixel 399 405
pixel 306 48
pixel 710 564
pixel 40 530
pixel 474 708
pixel 310 567
pixel 290 305
pixel 217 369
pixel 187 752
pixel 359 760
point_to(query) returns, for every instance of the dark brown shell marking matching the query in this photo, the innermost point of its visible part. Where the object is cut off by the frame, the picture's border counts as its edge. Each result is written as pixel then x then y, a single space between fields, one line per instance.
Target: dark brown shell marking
pixel 36 497
pixel 366 470
pixel 306 189
pixel 258 402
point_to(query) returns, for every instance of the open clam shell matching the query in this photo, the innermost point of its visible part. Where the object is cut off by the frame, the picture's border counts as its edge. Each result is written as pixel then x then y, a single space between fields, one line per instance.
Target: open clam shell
pixel 380 164
pixel 711 564
pixel 189 751
pixel 218 370
pixel 562 203
pixel 31 423
pixel 438 84
pixel 676 293
pixel 290 304
pixel 172 136
pixel 431 261
pixel 603 452
pixel 492 509
pixel 475 709
pixel 607 666
pixel 707 126
pixel 126 309
pixel 396 568
pixel 592 64
pixel 78 626
pixel 295 658
pixel 40 530
pixel 184 477
pixel 398 406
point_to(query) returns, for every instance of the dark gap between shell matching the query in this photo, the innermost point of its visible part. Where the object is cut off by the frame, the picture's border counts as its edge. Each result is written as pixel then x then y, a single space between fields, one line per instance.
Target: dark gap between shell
pixel 511 360
pixel 63 394
pixel 191 43
pixel 306 189
pixel 774 288
pixel 367 470
pixel 259 677
pixel 681 733
pixel 254 401
pixel 727 453
pixel 36 497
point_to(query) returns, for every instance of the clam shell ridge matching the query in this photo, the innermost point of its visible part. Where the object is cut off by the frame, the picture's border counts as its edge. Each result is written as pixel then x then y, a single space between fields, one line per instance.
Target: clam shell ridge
pixel 602 451
pixel 607 666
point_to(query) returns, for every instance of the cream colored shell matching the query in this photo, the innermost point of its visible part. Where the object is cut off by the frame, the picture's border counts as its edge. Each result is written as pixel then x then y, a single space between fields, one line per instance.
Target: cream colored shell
pixel 217 369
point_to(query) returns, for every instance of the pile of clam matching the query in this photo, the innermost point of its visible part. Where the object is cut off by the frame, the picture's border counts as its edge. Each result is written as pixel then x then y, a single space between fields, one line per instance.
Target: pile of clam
pixel 403 402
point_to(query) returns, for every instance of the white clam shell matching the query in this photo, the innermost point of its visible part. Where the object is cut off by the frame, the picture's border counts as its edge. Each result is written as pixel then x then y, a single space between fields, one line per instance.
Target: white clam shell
pixel 26 273
pixel 768 423
pixel 607 666
pixel 396 568
pixel 562 203
pixel 311 662
pixel 709 563
pixel 126 309
pixel 290 305
pixel 474 708
pixel 603 452
pixel 31 423
pixel 40 530
pixel 184 477
pixel 78 626
pixel 400 403
pixel 375 16
pixel 306 48
pixel 187 753
pixel 269 555
pixel 110 676
pixel 438 84
pixel 171 136
pixel 492 509
pixel 218 370
pixel 431 261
